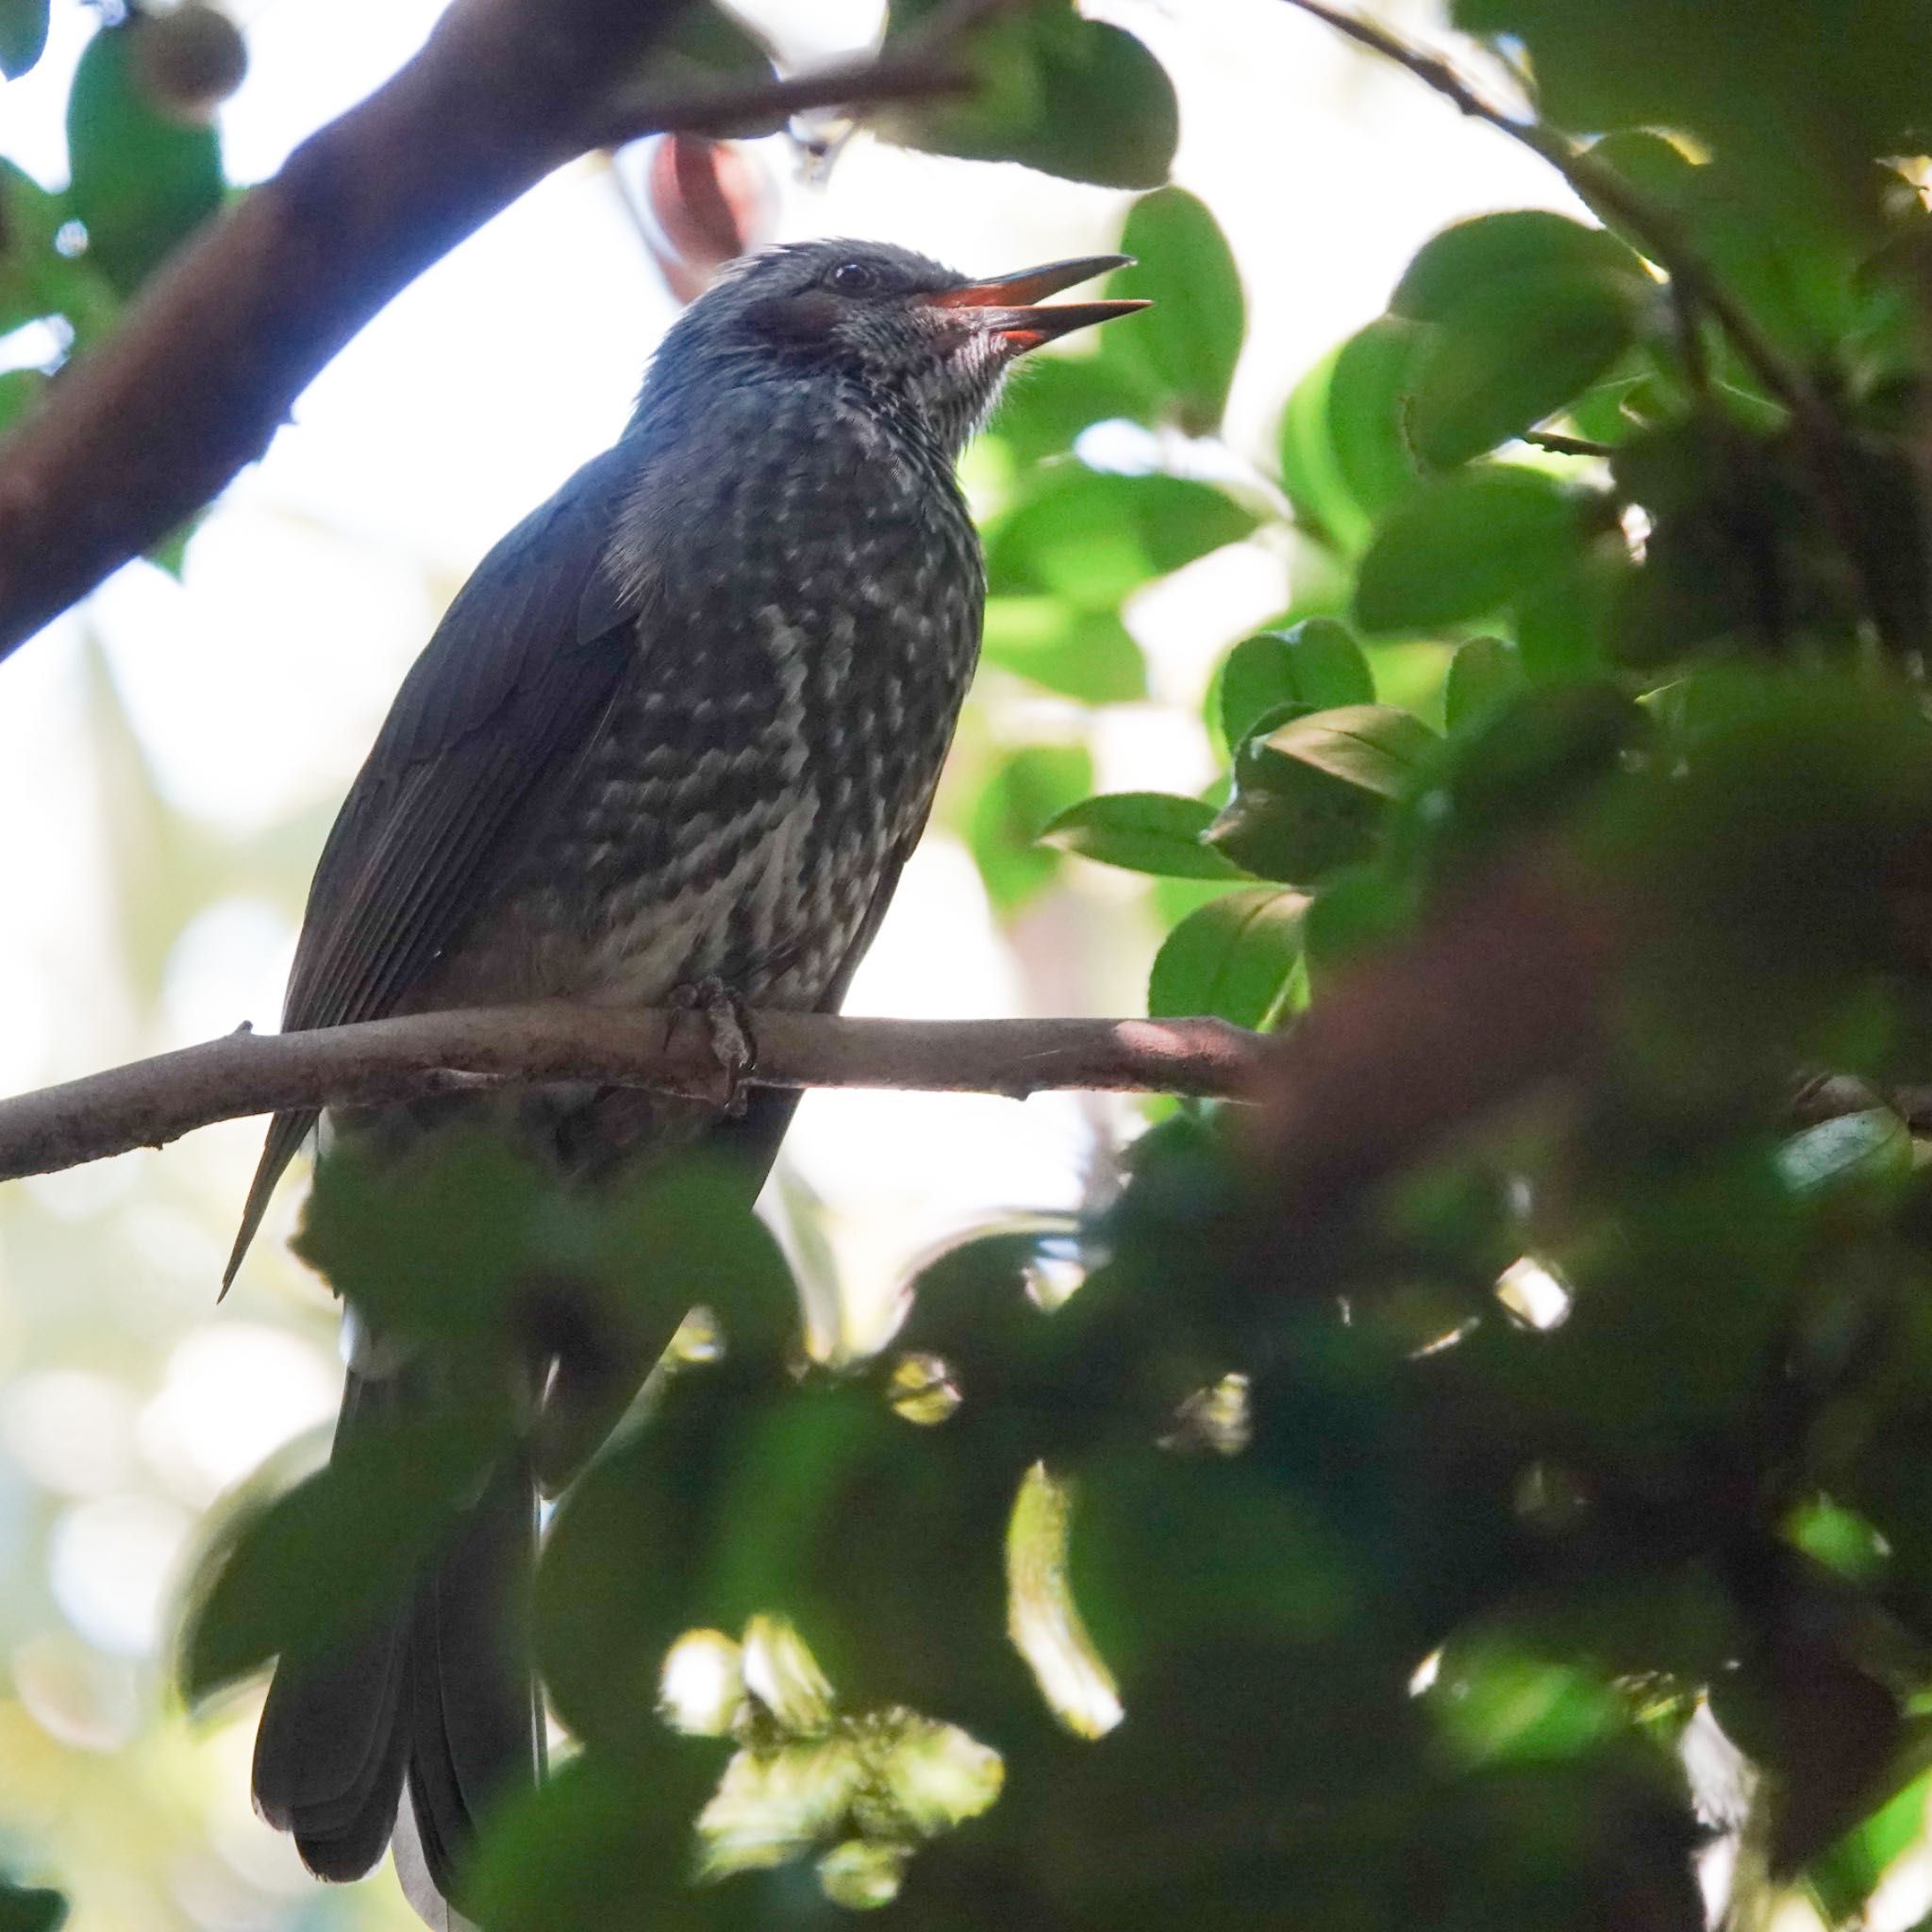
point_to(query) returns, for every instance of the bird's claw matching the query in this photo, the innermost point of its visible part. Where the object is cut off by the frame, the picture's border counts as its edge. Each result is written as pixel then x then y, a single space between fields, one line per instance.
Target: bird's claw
pixel 732 1047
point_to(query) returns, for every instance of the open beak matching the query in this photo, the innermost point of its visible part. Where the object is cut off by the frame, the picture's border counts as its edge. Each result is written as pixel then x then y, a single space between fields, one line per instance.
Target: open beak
pixel 1003 306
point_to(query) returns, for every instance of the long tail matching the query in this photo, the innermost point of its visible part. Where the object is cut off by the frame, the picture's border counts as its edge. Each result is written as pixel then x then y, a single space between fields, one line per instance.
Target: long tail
pixel 438 1704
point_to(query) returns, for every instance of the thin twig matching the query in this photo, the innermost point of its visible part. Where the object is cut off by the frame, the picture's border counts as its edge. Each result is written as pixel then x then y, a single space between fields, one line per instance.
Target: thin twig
pixel 141 431
pixel 1558 444
pixel 151 1102
pixel 1663 237
pixel 1698 287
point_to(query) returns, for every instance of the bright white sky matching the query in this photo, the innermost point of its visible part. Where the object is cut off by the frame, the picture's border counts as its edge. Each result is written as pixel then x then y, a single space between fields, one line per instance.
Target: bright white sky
pixel 255 687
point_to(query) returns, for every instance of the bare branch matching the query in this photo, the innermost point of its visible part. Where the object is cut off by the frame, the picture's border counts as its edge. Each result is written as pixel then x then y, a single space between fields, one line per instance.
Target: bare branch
pixel 151 1102
pixel 141 431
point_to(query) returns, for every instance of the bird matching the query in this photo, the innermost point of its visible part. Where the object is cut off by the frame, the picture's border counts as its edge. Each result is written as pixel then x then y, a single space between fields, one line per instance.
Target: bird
pixel 675 738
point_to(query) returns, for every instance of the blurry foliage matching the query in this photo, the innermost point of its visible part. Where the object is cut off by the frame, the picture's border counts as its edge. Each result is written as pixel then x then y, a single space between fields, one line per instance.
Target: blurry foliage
pixel 1470 1558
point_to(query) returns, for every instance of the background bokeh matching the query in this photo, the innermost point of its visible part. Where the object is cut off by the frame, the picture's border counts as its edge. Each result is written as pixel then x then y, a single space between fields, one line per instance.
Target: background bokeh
pixel 171 755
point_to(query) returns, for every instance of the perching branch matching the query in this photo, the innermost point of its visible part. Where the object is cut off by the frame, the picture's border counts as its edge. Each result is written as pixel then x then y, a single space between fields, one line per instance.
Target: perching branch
pixel 151 1102
pixel 139 433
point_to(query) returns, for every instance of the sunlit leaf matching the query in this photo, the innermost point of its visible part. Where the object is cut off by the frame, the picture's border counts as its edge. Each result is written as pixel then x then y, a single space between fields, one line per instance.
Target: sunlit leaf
pixel 1067 96
pixel 1184 348
pixel 1023 794
pixel 1089 654
pixel 1142 831
pixel 140 180
pixel 1346 454
pixel 1096 537
pixel 1232 958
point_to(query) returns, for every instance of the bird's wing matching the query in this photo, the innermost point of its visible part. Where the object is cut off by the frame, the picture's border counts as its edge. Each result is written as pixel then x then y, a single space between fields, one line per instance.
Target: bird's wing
pixel 487 724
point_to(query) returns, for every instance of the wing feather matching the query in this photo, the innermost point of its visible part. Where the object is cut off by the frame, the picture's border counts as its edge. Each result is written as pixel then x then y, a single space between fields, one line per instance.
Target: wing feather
pixel 488 722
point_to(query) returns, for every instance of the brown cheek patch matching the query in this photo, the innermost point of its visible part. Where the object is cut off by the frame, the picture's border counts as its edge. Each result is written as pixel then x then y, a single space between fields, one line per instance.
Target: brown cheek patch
pixel 796 317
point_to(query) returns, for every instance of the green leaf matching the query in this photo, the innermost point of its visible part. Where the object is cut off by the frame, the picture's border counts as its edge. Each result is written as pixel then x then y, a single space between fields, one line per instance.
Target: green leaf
pixel 29 220
pixel 322 1564
pixel 1231 958
pixel 1357 910
pixel 1184 349
pixel 1372 747
pixel 1025 792
pixel 1142 831
pixel 28 1908
pixel 1484 673
pixel 1800 97
pixel 1464 548
pixel 1070 96
pixel 22 35
pixel 1088 654
pixel 1475 257
pixel 431 1244
pixel 1095 538
pixel 1345 453
pixel 1315 664
pixel 1509 354
pixel 140 182
pixel 1052 398
pixel 20 389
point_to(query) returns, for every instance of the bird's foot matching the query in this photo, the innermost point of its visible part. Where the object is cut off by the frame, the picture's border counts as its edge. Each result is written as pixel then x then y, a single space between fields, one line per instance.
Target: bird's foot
pixel 730 1028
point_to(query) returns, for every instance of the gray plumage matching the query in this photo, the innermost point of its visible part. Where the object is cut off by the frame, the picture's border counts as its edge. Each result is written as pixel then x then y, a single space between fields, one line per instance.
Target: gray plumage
pixel 684 723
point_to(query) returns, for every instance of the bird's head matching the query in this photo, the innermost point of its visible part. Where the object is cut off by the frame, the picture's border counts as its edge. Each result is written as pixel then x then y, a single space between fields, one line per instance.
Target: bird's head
pixel 922 338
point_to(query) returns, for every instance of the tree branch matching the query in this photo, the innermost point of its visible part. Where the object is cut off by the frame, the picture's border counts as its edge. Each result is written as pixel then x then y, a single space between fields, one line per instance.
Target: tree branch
pixel 1662 235
pixel 1699 288
pixel 151 1102
pixel 140 432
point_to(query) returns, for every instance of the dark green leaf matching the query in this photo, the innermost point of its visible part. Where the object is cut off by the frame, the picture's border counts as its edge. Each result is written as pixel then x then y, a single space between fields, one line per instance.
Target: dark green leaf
pixel 1067 96
pixel 1142 831
pixel 1803 96
pixel 140 181
pixel 1087 655
pixel 30 1909
pixel 1357 911
pixel 1024 794
pixel 1372 747
pixel 1509 354
pixel 22 35
pixel 703 43
pixel 1484 673
pixel 1315 664
pixel 1095 538
pixel 318 1566
pixel 1312 794
pixel 1464 548
pixel 1184 349
pixel 1232 958
pixel 19 390
pixel 1475 257
pixel 430 1244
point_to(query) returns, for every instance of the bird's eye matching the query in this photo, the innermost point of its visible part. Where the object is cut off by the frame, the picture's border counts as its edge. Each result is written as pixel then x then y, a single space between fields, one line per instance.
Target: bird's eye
pixel 854 278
